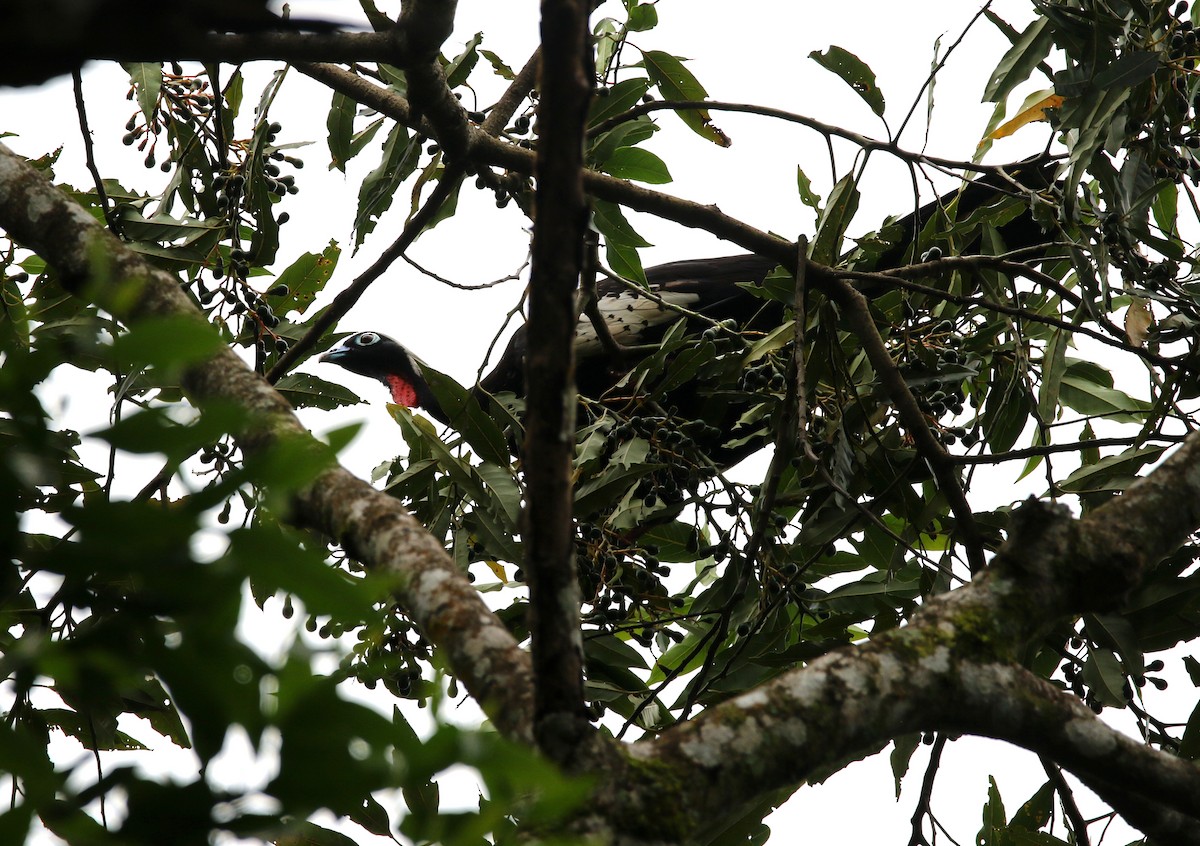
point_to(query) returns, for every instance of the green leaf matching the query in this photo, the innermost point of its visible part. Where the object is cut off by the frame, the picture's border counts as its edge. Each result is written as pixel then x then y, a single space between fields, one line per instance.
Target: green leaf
pixel 400 156
pixel 621 241
pixel 168 342
pixel 617 99
pixel 642 17
pixel 305 391
pixel 460 68
pixel 627 134
pixel 854 72
pixel 1117 633
pixel 1130 69
pixel 614 227
pixel 1165 207
pixel 675 82
pixel 636 164
pixel 501 69
pixel 834 218
pixel 613 652
pixel 340 126
pixel 608 36
pixel 1025 54
pixel 468 417
pixel 1005 409
pixel 1089 398
pixel 305 278
pixel 1114 472
pixel 994 819
pixel 903 748
pixel 807 195
pixel 1054 364
pixel 281 561
pixel 360 139
pixel 147 81
pixel 164 227
pixel 234 92
pixel 82 728
pixel 305 833
pixel 1103 675
pixel 1193 669
pixel 1036 811
pixel 152 430
pixel 1189 745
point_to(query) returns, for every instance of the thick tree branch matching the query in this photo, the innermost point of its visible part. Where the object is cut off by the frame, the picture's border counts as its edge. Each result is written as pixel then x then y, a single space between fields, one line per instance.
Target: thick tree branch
pixel 36 52
pixel 512 98
pixel 561 221
pixel 423 26
pixel 91 263
pixel 951 669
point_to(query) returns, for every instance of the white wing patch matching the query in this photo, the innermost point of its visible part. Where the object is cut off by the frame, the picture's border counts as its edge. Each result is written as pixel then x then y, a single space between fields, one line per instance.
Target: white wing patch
pixel 628 314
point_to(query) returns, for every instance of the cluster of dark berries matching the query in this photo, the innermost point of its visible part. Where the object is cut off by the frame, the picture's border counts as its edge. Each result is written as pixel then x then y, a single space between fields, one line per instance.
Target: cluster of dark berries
pixel 622 579
pixel 1176 137
pixel 938 397
pixel 506 187
pixel 1182 45
pixel 218 454
pixel 388 653
pixel 276 184
pixel 768 374
pixel 680 443
pixel 229 190
pixel 784 585
pixel 1073 675
pixel 723 331
pixel 242 299
pixel 180 97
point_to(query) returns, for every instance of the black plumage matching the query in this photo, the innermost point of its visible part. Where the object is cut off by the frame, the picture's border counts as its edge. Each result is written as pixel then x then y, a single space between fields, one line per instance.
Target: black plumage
pixel 702 291
pixel 713 288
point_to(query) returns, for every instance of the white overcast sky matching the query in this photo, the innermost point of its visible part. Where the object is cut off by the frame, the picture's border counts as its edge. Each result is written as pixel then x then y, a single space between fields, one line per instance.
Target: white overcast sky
pixel 753 51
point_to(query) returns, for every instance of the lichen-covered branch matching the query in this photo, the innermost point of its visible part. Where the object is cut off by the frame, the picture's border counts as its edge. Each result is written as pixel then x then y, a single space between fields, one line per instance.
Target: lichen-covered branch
pixel 93 264
pixel 953 668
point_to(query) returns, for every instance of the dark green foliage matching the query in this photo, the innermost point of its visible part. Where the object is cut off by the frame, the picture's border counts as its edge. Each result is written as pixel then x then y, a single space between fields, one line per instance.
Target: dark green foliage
pixel 697 584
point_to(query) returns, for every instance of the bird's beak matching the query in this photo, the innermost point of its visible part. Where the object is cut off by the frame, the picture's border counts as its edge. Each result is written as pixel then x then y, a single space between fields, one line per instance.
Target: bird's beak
pixel 333 354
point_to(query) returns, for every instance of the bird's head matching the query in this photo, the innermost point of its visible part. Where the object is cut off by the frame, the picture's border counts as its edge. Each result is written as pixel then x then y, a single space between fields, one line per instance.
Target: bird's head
pixel 379 357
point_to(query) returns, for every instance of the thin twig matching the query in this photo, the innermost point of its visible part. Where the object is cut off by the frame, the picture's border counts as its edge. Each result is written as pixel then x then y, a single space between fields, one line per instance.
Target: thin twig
pixel 923 808
pixel 828 130
pixel 89 152
pixel 1067 797
pixel 930 448
pixel 345 300
pixel 460 286
pixel 1051 449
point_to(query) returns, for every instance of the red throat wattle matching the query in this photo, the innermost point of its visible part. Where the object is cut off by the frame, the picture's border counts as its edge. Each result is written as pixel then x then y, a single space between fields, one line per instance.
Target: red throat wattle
pixel 403 393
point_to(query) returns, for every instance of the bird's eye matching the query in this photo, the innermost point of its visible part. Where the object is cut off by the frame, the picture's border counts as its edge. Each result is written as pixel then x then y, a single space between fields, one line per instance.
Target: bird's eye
pixel 367 339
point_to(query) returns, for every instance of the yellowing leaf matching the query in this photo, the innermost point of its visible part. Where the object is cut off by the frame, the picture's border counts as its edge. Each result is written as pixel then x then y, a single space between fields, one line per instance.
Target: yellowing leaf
pixel 1138 320
pixel 497 568
pixel 1034 113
